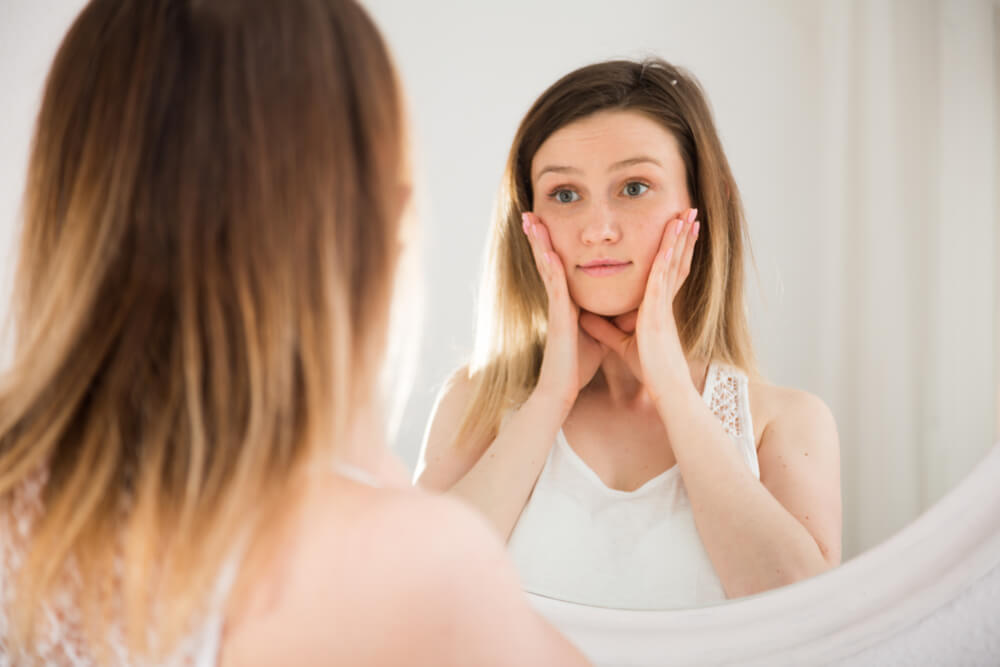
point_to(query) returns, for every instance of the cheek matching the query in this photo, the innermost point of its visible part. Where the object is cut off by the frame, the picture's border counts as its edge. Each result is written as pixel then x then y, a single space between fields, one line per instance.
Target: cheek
pixel 648 234
pixel 561 236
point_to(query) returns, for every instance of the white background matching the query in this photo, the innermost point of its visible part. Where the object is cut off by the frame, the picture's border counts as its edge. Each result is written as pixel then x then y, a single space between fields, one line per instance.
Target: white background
pixel 863 136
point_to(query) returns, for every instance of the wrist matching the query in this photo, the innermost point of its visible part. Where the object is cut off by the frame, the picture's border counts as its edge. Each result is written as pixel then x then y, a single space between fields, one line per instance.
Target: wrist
pixel 675 399
pixel 549 404
pixel 667 382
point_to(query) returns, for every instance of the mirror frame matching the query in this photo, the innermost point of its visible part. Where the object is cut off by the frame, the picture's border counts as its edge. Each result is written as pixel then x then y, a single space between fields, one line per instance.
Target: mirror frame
pixel 915 575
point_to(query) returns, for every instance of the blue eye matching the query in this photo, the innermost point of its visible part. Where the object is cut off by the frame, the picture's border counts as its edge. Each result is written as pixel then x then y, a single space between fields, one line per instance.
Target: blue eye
pixel 564 196
pixel 635 188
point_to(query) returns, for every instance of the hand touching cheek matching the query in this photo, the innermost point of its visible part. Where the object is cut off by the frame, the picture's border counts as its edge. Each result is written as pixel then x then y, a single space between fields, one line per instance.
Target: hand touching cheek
pixel 648 340
pixel 571 356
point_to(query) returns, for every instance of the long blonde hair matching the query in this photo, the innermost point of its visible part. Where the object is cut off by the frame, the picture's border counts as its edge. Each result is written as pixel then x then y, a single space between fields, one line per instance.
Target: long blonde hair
pixel 512 310
pixel 208 248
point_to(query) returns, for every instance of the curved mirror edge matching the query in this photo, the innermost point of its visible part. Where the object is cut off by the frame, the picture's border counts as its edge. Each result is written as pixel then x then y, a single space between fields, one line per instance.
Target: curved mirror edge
pixel 941 557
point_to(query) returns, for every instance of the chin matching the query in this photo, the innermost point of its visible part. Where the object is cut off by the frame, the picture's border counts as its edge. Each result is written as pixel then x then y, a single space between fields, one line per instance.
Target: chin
pixel 607 305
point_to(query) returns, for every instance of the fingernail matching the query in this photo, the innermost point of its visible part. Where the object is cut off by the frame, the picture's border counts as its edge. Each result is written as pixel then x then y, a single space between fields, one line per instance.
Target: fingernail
pixel 694 230
pixel 680 226
pixel 692 215
pixel 524 222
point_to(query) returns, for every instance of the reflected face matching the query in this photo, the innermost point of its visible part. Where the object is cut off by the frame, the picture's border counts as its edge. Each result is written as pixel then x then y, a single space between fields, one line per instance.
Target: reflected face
pixel 605 187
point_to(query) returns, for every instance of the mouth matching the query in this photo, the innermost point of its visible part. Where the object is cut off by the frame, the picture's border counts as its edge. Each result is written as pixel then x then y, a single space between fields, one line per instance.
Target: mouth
pixel 604 267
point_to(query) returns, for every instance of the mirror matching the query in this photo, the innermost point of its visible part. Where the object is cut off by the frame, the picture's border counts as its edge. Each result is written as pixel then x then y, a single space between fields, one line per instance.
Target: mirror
pixel 863 139
pixel 926 596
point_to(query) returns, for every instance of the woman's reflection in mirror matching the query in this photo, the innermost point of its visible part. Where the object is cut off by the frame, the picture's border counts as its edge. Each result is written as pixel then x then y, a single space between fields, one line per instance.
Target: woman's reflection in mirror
pixel 612 424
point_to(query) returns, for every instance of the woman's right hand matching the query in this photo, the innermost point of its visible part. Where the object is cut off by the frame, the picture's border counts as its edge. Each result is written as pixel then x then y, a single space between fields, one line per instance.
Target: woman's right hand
pixel 571 356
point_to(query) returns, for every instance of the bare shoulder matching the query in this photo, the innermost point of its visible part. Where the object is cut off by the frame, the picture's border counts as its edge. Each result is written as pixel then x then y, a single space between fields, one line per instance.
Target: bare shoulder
pixel 441 464
pixel 777 409
pixel 452 400
pixel 389 576
pixel 798 450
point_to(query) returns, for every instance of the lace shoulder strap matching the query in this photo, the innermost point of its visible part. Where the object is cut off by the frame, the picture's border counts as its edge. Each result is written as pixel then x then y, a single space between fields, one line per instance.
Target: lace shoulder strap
pixel 728 396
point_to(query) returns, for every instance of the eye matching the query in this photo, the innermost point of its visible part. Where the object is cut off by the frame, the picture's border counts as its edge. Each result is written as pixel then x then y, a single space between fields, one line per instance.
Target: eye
pixel 564 196
pixel 635 188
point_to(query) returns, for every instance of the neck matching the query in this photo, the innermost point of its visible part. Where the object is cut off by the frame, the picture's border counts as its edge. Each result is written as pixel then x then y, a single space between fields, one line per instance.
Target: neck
pixel 366 448
pixel 624 389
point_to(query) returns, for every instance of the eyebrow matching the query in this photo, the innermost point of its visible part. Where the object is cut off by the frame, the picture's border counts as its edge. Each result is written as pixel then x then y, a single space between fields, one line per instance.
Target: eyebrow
pixel 559 169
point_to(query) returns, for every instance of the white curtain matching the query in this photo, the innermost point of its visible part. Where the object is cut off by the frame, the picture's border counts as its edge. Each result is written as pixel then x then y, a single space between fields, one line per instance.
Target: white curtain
pixel 903 264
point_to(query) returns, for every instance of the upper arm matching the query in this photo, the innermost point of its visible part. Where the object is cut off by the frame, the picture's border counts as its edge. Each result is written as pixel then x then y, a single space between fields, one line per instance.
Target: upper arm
pixel 799 458
pixel 441 464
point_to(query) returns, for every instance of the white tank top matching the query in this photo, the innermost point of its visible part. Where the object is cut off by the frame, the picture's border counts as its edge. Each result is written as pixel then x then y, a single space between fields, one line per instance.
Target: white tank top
pixel 581 541
pixel 61 640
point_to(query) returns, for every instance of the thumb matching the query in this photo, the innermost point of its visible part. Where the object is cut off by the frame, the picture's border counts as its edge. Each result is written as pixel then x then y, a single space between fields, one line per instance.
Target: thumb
pixel 627 322
pixel 604 331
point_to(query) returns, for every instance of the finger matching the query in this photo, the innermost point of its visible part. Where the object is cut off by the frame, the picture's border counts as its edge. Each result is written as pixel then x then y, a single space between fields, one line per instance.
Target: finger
pixel 604 331
pixel 681 259
pixel 685 269
pixel 552 260
pixel 669 236
pixel 527 225
pixel 539 250
pixel 551 270
pixel 542 234
pixel 661 262
pixel 627 321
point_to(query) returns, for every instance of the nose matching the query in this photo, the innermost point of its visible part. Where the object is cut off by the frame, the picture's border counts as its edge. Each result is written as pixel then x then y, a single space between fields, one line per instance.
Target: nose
pixel 601 227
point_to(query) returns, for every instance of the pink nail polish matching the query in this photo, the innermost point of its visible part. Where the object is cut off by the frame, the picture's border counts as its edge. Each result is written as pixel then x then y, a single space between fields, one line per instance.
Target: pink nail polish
pixel 692 215
pixel 680 226
pixel 524 222
pixel 694 230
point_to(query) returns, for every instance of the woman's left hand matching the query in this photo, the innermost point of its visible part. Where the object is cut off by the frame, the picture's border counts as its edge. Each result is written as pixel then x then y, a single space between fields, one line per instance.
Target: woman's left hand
pixel 647 339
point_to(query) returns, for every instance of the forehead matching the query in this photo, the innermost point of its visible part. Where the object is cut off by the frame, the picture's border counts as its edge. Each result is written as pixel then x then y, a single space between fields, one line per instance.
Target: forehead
pixel 602 139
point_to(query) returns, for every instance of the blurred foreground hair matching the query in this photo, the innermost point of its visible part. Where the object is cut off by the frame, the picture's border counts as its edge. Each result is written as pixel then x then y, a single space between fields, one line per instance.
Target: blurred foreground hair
pixel 206 263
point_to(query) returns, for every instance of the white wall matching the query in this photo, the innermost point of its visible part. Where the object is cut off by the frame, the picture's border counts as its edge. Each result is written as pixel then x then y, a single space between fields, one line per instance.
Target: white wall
pixel 30 32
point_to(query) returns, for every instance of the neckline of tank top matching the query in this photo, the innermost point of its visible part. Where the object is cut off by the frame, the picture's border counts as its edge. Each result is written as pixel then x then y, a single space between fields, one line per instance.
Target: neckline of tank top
pixel 710 379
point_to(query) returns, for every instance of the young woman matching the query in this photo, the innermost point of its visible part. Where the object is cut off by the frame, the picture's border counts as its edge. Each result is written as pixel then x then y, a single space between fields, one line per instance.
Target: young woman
pixel 192 468
pixel 611 425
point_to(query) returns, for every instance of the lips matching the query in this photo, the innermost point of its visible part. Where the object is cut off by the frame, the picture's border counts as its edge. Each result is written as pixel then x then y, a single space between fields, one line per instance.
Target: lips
pixel 604 267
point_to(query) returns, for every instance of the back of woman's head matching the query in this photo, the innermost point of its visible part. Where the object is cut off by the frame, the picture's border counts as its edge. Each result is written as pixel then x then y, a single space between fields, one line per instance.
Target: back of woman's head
pixel 206 260
pixel 513 304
